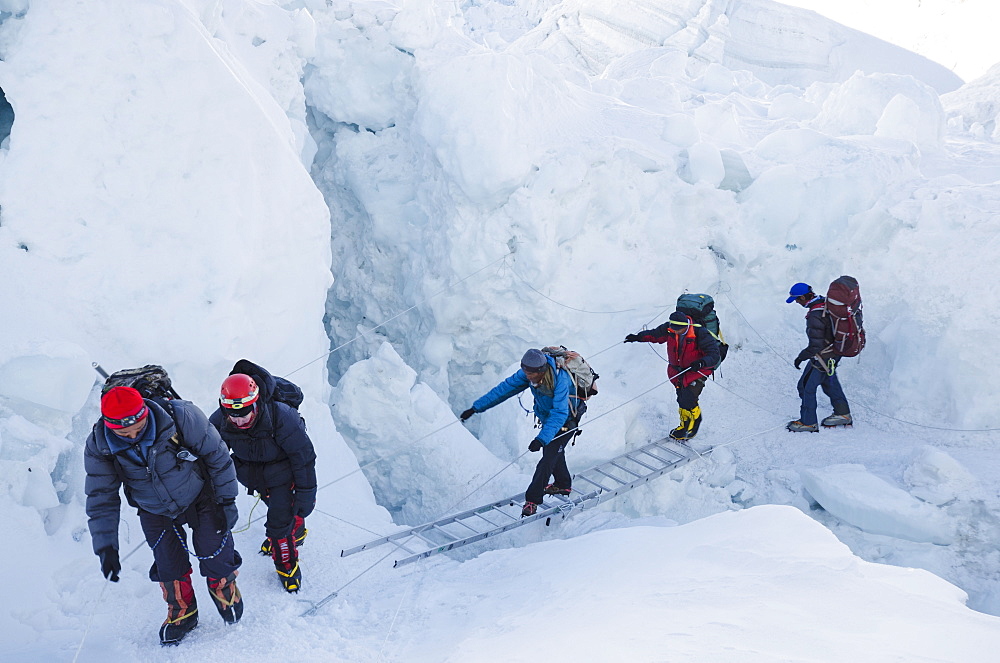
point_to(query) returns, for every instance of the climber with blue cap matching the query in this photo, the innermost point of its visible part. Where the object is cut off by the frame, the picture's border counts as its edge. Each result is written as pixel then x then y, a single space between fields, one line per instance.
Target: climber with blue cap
pixel 817 373
pixel 799 290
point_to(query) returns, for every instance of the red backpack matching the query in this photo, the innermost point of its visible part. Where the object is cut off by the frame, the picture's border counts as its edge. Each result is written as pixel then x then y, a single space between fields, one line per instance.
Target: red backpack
pixel 843 305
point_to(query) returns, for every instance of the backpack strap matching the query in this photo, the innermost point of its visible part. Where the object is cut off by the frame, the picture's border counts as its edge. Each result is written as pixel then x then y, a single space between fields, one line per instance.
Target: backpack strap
pixel 177 439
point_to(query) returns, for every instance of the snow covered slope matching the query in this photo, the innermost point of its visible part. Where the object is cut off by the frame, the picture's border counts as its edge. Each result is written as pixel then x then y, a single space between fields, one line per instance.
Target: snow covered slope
pixel 182 178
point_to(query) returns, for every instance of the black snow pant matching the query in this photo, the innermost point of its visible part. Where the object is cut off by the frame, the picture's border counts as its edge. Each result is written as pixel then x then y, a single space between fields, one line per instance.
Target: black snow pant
pixel 280 501
pixel 217 556
pixel 687 397
pixel 553 462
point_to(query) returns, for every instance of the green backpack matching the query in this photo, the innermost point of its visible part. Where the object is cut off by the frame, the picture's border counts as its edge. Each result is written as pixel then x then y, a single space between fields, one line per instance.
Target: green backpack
pixel 701 309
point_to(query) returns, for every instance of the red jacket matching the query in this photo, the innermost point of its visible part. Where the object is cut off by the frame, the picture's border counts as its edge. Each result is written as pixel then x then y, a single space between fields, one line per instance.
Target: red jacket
pixel 685 349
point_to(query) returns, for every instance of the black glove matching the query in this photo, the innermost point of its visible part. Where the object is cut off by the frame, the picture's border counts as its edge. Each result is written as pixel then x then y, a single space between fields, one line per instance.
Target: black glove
pixel 697 365
pixel 110 566
pixel 468 413
pixel 305 501
pixel 797 362
pixel 535 445
pixel 228 515
pixel 631 338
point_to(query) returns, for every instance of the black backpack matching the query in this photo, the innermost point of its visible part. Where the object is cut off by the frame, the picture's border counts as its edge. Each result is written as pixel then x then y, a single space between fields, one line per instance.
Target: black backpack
pixel 701 309
pixel 151 381
pixel 285 391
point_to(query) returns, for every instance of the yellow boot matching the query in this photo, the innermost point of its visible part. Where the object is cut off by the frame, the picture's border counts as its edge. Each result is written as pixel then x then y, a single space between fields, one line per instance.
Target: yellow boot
pixel 690 421
pixel 695 421
pixel 680 433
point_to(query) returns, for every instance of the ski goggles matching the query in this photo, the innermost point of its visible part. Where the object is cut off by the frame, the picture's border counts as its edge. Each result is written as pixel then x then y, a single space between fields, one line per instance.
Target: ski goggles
pixel 239 403
pixel 242 412
pixel 125 422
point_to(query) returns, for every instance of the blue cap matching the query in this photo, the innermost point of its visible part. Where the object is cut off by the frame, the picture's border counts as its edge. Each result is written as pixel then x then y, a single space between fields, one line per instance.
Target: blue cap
pixel 534 359
pixel 797 291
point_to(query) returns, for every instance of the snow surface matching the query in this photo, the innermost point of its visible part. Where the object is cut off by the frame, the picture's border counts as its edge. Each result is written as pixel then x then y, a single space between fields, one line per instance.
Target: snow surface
pixel 389 201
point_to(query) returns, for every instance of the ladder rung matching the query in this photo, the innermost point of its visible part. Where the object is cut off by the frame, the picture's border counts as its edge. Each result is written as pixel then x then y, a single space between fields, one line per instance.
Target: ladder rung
pixel 504 513
pixel 665 461
pixel 428 541
pixel 610 476
pixel 446 535
pixel 639 462
pixel 594 483
pixel 495 510
pixel 625 469
pixel 467 526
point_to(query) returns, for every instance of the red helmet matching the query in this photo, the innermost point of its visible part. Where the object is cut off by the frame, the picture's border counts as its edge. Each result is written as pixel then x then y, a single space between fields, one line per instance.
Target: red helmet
pixel 238 391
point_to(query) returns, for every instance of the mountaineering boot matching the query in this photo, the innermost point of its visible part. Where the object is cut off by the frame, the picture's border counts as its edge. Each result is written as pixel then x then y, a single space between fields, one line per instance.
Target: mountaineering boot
pixel 838 420
pixel 530 508
pixel 553 489
pixel 696 423
pixel 286 563
pixel 226 596
pixel 298 529
pixel 690 421
pixel 291 580
pixel 799 427
pixel 680 432
pixel 182 610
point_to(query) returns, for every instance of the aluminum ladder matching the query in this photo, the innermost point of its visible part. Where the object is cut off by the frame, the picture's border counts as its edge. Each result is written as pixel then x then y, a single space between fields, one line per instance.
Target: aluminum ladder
pixel 590 488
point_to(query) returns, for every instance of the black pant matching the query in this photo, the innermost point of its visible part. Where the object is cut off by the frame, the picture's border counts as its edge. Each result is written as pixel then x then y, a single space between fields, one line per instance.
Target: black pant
pixel 553 462
pixel 168 538
pixel 687 397
pixel 280 501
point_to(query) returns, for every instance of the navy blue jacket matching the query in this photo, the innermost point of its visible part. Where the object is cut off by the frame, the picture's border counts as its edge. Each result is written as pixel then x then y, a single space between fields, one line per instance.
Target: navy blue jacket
pixel 276 450
pixel 818 330
pixel 552 409
pixel 164 484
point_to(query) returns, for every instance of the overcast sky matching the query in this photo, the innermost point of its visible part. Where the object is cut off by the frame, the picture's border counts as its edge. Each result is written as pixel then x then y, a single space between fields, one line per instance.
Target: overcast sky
pixel 955 33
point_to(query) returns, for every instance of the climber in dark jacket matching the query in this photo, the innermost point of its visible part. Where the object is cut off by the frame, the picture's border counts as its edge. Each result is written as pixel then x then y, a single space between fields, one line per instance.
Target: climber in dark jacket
pixel 175 471
pixel 274 457
pixel 692 354
pixel 820 371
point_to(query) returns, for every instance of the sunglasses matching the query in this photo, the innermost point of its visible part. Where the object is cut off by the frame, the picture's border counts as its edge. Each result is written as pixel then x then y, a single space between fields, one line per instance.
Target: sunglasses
pixel 130 420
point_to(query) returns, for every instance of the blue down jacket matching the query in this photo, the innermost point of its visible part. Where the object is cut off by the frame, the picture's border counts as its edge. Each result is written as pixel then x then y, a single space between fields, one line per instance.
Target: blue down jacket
pixel 552 409
pixel 164 484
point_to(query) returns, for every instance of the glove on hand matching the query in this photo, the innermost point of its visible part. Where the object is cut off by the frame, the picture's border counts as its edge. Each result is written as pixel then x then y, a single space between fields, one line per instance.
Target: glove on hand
pixel 797 362
pixel 697 365
pixel 110 566
pixel 468 413
pixel 632 338
pixel 227 515
pixel 535 445
pixel 305 501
